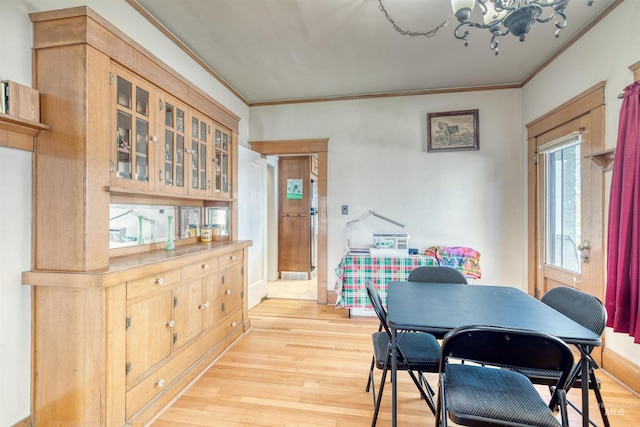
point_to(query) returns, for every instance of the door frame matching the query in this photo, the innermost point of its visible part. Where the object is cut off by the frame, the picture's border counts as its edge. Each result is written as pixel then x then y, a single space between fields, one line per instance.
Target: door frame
pixel 320 147
pixel 584 113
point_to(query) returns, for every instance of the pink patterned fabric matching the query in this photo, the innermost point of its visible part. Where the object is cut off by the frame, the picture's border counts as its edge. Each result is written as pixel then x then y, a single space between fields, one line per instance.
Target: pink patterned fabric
pixel 464 259
pixel 623 267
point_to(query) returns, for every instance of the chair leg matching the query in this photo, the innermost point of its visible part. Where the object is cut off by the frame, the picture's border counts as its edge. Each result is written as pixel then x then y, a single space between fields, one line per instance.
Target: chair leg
pixel 426 396
pixel 441 413
pixel 596 391
pixel 379 399
pixel 426 384
pixel 562 403
pixel 373 362
pixel 371 382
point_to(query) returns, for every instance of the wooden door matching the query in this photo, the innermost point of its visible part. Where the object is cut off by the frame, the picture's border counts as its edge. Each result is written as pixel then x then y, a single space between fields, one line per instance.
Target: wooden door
pixel 174 169
pixel 294 223
pixel 213 296
pixel 134 143
pixel 233 285
pixel 187 300
pixel 566 207
pixel 148 333
pixel 201 155
pixel 222 172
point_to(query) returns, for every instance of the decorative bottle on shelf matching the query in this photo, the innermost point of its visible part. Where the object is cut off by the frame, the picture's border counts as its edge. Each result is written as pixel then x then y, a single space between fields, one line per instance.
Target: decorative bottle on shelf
pixel 170 245
pixel 140 237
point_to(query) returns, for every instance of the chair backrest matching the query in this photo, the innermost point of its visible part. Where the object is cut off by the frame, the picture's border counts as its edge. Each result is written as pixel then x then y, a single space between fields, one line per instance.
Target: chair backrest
pixel 507 347
pixel 579 306
pixel 376 303
pixel 437 274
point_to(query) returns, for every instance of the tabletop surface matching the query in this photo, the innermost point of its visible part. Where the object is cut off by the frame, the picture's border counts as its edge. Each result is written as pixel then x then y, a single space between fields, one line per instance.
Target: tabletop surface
pixel 440 307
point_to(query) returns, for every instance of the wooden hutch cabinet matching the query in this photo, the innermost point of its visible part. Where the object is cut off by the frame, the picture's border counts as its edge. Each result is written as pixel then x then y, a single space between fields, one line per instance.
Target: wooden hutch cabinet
pixel 118 333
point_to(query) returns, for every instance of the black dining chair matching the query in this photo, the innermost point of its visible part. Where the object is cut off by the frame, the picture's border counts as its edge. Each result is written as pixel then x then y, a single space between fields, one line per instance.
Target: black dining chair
pixel 436 274
pixel 486 394
pixel 417 352
pixel 587 310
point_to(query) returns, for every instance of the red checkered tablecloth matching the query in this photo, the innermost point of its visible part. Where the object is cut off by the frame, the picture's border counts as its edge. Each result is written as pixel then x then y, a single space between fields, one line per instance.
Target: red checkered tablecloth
pixel 354 270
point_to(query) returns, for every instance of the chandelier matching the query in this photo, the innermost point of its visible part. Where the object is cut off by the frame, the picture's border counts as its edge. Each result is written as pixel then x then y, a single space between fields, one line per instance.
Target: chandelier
pixel 500 17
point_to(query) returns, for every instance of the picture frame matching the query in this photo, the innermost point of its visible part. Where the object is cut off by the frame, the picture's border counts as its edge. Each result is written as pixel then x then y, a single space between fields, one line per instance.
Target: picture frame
pixel 453 131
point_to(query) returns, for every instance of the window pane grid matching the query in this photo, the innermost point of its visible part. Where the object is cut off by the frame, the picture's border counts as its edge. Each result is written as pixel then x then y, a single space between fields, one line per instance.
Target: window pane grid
pixel 563 206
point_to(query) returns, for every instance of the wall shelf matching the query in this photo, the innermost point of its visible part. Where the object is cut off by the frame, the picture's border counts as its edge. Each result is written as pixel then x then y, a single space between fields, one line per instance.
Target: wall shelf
pixel 604 158
pixel 19 133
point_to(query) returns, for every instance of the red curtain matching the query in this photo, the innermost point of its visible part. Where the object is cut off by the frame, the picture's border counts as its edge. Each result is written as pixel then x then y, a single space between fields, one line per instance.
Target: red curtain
pixel 623 256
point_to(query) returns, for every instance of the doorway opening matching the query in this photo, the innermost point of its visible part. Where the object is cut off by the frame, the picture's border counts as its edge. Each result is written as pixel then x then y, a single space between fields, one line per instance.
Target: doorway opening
pixel 318 147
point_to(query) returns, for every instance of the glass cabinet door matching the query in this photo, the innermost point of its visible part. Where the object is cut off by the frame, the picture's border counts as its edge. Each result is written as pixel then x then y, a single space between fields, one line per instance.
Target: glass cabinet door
pixel 173 174
pixel 132 163
pixel 222 162
pixel 200 177
pixel 225 163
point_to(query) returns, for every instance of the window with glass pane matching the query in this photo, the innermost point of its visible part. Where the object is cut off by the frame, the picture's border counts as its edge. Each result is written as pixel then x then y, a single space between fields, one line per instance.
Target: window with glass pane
pixel 124 145
pixel 142 150
pixel 218 170
pixel 225 172
pixel 142 101
pixel 180 161
pixel 563 205
pixel 203 167
pixel 194 164
pixel 168 157
pixel 124 93
pixel 168 115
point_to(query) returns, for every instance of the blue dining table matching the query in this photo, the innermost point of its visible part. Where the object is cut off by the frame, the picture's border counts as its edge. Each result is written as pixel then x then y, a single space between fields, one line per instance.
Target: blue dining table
pixel 438 308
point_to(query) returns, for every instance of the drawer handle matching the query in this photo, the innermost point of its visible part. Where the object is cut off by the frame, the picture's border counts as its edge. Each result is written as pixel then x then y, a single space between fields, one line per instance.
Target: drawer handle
pixel 204 305
pixel 171 323
pixel 160 281
pixel 160 382
pixel 228 292
pixel 234 324
pixel 205 266
pixel 232 257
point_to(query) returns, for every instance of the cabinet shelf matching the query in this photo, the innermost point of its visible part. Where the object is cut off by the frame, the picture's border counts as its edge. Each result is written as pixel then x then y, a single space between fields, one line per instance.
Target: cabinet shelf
pixel 142 194
pixel 19 133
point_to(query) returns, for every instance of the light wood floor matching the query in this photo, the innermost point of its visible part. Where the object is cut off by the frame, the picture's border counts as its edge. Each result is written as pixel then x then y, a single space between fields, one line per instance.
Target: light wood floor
pixel 293 289
pixel 304 364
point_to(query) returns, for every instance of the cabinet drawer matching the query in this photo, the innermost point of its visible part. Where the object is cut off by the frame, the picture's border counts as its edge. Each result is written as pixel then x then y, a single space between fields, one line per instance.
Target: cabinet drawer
pixel 153 385
pixel 204 266
pixel 230 258
pixel 154 282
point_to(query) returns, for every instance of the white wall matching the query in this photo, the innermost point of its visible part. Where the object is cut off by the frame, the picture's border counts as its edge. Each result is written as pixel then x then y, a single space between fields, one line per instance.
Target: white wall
pixel 603 54
pixel 15 299
pixel 15 232
pixel 15 177
pixel 376 162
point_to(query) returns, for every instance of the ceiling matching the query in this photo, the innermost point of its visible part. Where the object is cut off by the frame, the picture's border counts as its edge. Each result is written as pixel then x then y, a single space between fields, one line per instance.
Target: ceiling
pixel 278 50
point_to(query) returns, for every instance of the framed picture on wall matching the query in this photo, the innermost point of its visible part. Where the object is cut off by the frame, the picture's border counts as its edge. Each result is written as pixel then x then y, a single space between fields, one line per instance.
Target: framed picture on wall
pixel 453 131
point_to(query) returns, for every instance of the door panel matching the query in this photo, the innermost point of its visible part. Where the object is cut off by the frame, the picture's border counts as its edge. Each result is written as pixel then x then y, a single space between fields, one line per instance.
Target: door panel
pixel 148 333
pixel 186 306
pixel 574 263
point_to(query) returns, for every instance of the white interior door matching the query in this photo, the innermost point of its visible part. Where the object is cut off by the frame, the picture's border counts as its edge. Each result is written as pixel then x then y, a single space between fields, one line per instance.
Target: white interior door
pixel 252 219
